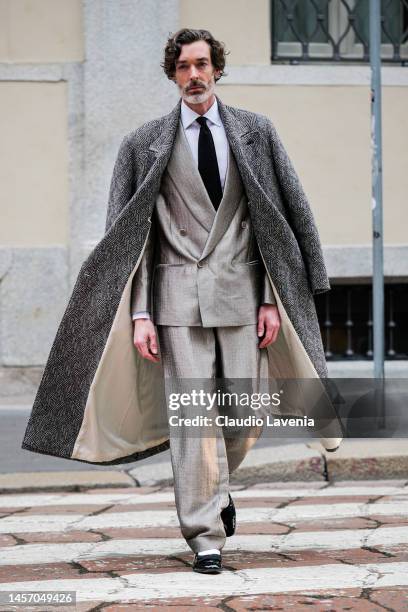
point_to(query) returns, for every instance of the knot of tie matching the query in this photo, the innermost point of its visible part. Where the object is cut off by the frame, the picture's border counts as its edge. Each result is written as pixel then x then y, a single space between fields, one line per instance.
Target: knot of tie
pixel 202 121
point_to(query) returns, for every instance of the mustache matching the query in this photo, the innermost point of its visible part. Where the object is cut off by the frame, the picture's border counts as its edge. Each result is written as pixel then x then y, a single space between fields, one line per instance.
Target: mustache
pixel 195 85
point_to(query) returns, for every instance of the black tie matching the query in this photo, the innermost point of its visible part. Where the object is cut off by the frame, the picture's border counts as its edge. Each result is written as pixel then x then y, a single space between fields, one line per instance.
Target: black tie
pixel 207 163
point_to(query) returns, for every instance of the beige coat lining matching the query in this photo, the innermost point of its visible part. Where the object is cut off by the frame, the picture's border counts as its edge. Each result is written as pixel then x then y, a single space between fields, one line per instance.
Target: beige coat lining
pixel 126 411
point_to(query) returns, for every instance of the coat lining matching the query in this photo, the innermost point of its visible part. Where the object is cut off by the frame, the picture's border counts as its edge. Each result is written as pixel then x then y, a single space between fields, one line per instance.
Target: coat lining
pixel 118 423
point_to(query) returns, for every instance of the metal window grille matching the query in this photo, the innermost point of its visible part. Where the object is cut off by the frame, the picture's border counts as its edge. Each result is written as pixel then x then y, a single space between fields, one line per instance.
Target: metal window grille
pixel 336 31
pixel 346 321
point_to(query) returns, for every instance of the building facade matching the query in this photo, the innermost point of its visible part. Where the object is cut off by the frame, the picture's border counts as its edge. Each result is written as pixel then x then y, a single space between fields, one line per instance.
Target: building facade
pixel 75 76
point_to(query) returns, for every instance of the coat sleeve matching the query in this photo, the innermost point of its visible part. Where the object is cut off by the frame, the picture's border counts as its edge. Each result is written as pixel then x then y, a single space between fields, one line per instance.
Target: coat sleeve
pixel 300 214
pixel 122 183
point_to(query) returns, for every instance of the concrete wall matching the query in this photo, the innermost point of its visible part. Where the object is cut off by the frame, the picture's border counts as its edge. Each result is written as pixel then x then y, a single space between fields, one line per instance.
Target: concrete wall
pixel 41 31
pixel 326 130
pixel 39 41
pixel 73 80
pixel 242 25
pixel 34 164
pixel 76 75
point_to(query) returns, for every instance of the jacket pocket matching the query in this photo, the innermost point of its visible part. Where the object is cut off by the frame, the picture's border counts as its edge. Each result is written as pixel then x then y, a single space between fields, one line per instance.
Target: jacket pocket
pixel 254 262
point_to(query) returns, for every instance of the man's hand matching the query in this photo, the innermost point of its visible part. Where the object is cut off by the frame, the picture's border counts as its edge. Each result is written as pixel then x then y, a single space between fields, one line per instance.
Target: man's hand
pixel 145 339
pixel 269 323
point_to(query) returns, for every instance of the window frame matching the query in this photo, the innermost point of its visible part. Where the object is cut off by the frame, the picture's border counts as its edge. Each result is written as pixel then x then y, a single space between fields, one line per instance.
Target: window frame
pixel 350 48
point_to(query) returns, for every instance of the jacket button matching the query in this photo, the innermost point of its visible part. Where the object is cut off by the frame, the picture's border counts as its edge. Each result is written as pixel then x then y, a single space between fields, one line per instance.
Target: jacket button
pixel 243 224
pixel 200 264
pixel 183 232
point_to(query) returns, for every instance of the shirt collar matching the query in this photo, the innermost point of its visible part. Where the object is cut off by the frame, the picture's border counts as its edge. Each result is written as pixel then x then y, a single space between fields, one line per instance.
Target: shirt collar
pixel 188 116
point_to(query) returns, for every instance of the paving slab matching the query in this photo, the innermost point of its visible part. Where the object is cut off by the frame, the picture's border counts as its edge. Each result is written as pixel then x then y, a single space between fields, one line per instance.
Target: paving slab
pixel 114 561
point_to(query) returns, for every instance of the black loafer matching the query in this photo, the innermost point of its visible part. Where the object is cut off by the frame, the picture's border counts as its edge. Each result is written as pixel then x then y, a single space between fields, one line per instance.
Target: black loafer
pixel 207 564
pixel 228 516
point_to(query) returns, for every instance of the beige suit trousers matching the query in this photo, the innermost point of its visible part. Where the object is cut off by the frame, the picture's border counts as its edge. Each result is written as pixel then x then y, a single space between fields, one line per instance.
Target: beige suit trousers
pixel 201 462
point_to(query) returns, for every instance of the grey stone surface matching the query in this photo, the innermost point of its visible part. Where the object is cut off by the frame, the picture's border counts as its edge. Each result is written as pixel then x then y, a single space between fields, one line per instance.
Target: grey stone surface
pixel 124 86
pixel 5 265
pixel 74 74
pixel 365 369
pixel 33 295
pixel 5 261
pixel 351 262
pixel 397 483
pixel 29 481
pixel 367 459
pixel 286 462
pixel 19 384
pixel 313 74
pixel 155 473
pixel 355 460
pixel 291 484
pixel 14 459
pixel 34 72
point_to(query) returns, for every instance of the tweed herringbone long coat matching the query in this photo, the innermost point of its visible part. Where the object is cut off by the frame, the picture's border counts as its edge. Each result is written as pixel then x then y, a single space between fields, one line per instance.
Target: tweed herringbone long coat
pixel 98 400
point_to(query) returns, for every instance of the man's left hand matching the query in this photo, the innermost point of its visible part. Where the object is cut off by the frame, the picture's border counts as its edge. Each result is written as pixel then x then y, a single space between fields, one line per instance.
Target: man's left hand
pixel 268 323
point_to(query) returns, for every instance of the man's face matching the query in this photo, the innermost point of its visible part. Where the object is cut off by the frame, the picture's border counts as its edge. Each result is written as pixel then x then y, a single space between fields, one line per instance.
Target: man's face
pixel 194 69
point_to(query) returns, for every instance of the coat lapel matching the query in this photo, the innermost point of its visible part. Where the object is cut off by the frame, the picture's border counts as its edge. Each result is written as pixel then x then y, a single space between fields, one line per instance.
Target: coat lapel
pixel 244 139
pixel 156 157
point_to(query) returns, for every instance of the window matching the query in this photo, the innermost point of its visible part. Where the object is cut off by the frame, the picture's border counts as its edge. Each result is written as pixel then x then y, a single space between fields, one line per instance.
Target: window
pixel 336 30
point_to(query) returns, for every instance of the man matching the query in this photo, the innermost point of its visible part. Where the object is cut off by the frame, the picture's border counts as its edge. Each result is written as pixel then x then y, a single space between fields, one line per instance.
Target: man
pixel 208 302
pixel 237 200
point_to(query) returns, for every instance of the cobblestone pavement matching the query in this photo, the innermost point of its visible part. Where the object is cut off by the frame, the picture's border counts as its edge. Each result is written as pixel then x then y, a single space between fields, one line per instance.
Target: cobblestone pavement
pixel 334 547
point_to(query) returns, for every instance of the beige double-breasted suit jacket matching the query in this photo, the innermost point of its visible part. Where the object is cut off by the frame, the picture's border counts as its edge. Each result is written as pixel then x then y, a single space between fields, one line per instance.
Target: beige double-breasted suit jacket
pixel 200 266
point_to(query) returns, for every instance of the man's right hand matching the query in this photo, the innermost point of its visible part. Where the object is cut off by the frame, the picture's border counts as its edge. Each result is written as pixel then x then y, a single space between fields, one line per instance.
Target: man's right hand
pixel 145 339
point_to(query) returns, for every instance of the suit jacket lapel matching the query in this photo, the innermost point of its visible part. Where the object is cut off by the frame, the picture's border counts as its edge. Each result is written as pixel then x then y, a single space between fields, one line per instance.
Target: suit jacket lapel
pixel 227 208
pixel 183 170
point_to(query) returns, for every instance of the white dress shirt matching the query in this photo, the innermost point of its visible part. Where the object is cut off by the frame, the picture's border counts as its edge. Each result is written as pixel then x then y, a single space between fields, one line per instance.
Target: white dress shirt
pixel 192 132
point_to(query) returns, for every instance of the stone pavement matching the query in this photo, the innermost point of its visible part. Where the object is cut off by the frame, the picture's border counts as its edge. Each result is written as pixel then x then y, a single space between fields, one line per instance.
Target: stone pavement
pixel 354 460
pixel 337 546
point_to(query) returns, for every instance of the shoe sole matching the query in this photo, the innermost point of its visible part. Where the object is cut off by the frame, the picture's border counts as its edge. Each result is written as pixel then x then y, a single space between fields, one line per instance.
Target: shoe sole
pixel 207 571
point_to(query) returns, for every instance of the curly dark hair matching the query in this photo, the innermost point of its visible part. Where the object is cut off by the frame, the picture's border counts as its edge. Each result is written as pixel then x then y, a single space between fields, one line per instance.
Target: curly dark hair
pixel 186 36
